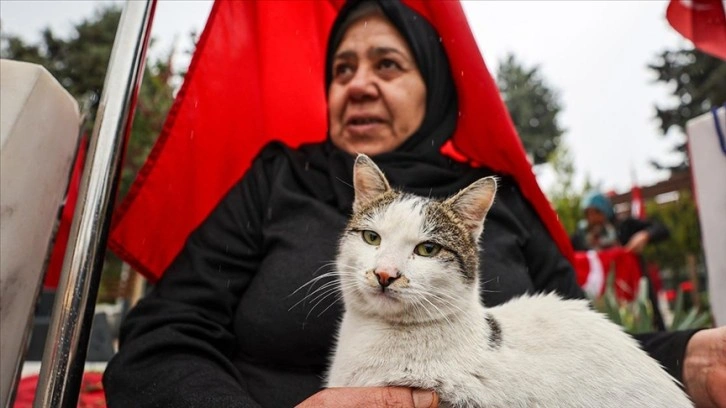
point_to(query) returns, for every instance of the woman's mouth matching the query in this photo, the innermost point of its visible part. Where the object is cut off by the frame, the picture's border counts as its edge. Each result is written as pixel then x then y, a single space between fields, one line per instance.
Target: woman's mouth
pixel 363 124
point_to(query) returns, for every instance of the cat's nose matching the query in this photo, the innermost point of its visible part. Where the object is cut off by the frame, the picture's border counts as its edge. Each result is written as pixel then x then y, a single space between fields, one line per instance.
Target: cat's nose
pixel 385 278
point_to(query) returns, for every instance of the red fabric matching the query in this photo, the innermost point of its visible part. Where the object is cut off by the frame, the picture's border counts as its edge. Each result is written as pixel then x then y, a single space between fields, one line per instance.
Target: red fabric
pixel 701 21
pixel 221 118
pixel 52 275
pixel 637 205
pixel 625 264
pixel 91 393
pixel 655 279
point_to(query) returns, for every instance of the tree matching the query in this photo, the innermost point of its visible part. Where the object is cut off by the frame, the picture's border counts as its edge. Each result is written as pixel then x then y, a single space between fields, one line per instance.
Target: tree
pixel 533 106
pixel 681 219
pixel 79 63
pixel 565 196
pixel 699 83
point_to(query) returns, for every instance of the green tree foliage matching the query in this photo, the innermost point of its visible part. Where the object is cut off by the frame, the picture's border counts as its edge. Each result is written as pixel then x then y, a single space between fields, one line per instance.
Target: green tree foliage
pixel 681 219
pixel 699 83
pixel 565 196
pixel 533 105
pixel 79 63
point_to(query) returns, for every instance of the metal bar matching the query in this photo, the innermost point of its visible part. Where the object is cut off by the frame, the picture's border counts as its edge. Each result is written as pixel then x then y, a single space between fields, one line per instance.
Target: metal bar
pixel 67 342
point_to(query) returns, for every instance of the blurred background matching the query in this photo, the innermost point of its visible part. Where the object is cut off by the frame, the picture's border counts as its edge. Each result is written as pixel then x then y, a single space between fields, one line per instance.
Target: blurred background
pixel 600 92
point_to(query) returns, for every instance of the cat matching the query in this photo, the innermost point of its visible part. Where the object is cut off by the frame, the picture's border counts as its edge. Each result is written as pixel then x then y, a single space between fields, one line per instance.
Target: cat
pixel 408 272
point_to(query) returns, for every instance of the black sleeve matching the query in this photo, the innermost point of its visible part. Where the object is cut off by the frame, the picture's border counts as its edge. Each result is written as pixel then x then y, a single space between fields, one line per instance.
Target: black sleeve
pixel 577 239
pixel 656 231
pixel 669 348
pixel 176 345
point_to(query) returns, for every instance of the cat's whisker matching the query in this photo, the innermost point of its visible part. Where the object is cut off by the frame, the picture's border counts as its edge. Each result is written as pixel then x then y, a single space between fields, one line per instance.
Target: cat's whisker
pixel 336 300
pixel 331 292
pixel 327 290
pixel 481 288
pixel 323 287
pixel 447 303
pixel 438 310
pixel 311 283
pixel 315 279
pixel 344 182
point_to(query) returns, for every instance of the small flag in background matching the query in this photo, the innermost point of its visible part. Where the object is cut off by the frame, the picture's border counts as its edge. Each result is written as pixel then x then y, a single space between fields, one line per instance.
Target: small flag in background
pixel 637 205
pixel 701 21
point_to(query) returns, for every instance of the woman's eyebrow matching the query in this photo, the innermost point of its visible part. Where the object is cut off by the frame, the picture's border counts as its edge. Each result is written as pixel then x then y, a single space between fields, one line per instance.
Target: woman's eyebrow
pixel 377 52
pixel 347 54
pixel 373 52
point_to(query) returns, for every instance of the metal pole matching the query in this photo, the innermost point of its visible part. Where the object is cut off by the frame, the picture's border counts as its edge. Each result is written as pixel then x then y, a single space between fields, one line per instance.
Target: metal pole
pixel 67 342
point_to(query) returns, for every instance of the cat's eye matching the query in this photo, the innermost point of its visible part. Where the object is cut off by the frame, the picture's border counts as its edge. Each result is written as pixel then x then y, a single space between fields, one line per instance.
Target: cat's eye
pixel 371 237
pixel 427 249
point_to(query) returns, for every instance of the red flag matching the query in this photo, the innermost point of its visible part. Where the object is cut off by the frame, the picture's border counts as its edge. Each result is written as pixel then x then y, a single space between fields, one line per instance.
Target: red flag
pixel 637 206
pixel 701 21
pixel 257 76
pixel 592 269
pixel 52 274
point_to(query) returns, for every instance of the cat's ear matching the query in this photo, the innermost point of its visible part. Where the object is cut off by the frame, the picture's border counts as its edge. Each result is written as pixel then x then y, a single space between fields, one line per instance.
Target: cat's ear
pixel 473 203
pixel 368 181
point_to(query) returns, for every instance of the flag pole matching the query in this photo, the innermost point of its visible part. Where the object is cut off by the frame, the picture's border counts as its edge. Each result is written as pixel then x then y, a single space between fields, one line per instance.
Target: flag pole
pixel 66 345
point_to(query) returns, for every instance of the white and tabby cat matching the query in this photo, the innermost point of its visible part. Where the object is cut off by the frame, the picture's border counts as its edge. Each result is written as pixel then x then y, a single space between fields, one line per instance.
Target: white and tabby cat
pixel 408 272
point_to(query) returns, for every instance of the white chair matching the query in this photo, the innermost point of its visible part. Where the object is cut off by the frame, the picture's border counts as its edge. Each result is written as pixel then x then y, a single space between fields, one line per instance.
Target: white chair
pixel 707 149
pixel 39 133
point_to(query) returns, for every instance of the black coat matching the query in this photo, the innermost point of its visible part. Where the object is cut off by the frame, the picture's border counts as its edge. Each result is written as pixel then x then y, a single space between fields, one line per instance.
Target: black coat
pixel 222 328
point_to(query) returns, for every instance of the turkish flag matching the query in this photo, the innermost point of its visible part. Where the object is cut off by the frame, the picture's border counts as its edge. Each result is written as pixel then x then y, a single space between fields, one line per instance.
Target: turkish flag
pixel 637 205
pixel 257 76
pixel 701 21
pixel 592 269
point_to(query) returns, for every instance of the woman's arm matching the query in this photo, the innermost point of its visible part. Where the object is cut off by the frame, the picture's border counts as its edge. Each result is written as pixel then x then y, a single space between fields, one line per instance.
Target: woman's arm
pixel 176 345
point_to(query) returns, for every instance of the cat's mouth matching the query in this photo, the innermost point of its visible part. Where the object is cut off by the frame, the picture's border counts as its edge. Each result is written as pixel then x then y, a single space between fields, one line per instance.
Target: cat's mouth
pixel 383 294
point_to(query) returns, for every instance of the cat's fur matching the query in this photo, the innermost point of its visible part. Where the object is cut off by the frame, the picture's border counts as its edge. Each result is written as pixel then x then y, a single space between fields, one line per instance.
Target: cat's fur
pixel 428 328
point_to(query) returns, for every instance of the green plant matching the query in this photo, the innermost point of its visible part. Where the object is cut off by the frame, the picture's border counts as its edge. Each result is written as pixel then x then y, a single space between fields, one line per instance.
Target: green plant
pixel 637 316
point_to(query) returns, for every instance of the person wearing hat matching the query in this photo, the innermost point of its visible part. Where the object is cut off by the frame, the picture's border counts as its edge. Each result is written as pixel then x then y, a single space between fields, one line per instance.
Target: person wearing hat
pixel 599 229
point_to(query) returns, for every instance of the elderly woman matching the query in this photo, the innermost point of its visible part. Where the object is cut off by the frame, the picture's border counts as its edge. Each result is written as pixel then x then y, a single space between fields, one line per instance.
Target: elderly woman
pixel 221 328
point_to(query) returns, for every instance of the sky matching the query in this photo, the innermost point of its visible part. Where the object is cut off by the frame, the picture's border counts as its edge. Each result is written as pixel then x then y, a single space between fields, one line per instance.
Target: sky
pixel 593 53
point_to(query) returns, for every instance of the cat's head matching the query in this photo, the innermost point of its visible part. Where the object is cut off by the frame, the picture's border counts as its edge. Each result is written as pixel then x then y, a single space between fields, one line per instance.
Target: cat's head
pixel 410 259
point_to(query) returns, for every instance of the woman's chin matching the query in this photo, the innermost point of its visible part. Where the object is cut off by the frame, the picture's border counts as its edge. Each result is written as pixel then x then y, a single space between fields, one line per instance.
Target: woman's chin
pixel 369 143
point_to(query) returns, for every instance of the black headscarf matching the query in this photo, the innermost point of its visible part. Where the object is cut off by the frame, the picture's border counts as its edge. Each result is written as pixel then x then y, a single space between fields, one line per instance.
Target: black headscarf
pixel 417 165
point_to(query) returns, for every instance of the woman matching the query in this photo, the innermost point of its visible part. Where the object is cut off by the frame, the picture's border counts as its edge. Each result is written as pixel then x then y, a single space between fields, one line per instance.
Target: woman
pixel 224 327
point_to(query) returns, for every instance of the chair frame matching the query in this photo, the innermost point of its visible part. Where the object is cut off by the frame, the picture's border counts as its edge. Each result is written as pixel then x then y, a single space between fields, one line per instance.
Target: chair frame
pixel 64 355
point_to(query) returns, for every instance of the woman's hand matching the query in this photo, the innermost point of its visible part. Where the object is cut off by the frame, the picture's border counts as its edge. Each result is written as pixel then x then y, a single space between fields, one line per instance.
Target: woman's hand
pixel 384 397
pixel 704 368
pixel 638 242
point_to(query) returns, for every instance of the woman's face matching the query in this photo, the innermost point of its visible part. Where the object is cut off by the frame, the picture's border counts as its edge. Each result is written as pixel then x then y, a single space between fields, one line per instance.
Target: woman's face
pixel 377 98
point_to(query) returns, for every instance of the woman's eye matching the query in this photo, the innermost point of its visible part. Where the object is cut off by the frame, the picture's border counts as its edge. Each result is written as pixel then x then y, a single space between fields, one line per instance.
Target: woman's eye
pixel 427 249
pixel 388 65
pixel 342 70
pixel 371 238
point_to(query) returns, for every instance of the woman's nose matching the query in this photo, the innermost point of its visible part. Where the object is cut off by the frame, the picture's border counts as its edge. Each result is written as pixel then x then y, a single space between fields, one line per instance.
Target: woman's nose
pixel 363 85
